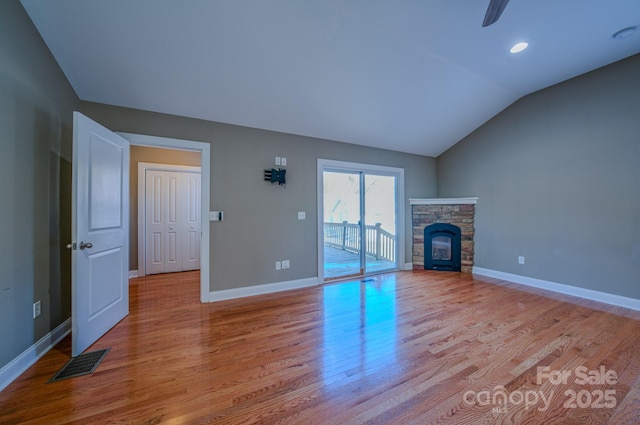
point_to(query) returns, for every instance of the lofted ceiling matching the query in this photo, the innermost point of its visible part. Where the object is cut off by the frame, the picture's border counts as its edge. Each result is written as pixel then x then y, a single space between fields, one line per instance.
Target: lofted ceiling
pixel 413 76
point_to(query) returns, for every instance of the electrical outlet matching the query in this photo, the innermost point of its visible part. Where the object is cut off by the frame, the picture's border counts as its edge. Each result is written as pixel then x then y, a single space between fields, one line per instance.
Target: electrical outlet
pixel 37 309
pixel 278 160
pixel 302 215
pixel 285 264
pixel 284 161
pixel 278 265
pixel 521 260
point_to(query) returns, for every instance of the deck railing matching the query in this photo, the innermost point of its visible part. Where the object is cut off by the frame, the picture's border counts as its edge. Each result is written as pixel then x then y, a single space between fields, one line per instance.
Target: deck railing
pixel 379 243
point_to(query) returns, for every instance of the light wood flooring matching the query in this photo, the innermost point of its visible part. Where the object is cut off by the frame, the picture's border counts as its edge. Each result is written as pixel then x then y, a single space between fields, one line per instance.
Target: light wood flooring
pixel 413 347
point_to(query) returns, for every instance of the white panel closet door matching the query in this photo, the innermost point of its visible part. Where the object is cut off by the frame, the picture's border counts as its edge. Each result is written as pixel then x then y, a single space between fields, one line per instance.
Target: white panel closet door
pixel 172 221
pixel 191 245
pixel 154 219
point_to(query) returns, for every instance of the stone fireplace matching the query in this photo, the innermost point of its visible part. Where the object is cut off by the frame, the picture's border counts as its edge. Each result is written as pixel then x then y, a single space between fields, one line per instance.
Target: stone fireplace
pixel 443 232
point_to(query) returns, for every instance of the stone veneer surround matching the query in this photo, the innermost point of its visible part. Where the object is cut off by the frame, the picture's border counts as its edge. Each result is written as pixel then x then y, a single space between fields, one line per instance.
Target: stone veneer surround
pixel 457 211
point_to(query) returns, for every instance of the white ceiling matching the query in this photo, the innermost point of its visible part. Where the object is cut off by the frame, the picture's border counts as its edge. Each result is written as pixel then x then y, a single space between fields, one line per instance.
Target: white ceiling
pixel 408 75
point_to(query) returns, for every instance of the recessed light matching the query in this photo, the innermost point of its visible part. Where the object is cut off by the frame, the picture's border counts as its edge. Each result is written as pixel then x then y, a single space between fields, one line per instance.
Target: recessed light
pixel 625 32
pixel 519 47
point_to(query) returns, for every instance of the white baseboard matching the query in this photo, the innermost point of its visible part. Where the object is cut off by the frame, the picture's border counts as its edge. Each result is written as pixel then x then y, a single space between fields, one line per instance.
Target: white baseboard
pixel 24 361
pixel 408 266
pixel 268 288
pixel 133 274
pixel 589 294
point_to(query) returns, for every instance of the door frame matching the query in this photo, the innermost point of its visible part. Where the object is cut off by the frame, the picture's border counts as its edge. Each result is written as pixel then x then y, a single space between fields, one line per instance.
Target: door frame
pixel 142 205
pixel 205 173
pixel 333 165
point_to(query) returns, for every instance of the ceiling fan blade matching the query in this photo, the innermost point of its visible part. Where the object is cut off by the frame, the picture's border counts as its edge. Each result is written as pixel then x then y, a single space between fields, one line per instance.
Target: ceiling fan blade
pixel 495 9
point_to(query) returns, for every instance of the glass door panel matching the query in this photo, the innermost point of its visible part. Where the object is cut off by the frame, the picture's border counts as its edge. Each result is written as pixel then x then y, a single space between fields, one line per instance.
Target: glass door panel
pixel 342 224
pixel 380 222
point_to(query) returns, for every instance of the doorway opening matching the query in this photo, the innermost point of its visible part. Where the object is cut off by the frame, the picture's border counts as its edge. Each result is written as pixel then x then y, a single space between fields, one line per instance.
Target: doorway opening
pixel 203 150
pixel 360 219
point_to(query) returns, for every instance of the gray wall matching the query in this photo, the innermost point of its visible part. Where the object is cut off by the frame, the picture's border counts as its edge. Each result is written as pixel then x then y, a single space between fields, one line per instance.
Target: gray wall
pixel 558 176
pixel 36 104
pixel 261 225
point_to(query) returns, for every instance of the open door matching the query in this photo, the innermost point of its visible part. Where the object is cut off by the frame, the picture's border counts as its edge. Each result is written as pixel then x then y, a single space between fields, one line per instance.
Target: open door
pixel 100 232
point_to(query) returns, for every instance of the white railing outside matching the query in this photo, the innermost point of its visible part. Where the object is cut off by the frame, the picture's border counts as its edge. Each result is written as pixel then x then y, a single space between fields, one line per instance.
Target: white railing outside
pixel 379 243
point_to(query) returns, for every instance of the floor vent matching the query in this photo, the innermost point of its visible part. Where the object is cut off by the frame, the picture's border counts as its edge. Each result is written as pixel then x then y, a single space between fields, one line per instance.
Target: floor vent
pixel 84 364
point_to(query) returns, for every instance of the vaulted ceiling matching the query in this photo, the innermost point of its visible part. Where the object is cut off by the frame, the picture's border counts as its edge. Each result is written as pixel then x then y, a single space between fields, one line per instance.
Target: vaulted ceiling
pixel 408 75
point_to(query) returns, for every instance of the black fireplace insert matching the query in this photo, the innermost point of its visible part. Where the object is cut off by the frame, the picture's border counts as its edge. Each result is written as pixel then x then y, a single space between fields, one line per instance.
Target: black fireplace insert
pixel 442 247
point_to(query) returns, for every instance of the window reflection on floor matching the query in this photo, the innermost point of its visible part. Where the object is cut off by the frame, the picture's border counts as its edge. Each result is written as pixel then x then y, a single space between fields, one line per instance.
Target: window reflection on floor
pixel 359 327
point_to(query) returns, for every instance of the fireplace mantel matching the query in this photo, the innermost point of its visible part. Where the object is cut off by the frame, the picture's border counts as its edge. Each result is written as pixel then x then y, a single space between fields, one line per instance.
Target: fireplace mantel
pixel 443 201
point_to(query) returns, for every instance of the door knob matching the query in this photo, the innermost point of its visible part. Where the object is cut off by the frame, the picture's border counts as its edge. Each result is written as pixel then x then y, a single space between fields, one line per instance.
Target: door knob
pixel 85 245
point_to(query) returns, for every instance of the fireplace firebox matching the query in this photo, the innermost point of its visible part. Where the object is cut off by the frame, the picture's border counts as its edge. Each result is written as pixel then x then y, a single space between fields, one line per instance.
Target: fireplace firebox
pixel 442 244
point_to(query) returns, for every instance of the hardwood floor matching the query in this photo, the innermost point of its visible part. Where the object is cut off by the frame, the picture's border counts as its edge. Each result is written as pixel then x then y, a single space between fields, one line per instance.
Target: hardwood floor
pixel 405 348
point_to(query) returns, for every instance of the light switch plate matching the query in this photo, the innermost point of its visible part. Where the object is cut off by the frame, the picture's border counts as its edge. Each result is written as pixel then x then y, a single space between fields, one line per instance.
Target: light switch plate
pixel 37 309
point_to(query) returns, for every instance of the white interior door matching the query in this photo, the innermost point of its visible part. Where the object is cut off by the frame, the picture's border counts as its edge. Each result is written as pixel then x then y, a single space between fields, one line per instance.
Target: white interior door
pixel 191 244
pixel 100 231
pixel 172 216
pixel 163 236
pixel 155 212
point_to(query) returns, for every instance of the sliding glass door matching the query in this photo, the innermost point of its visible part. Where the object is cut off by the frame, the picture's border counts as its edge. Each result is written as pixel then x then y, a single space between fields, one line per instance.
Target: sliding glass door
pixel 359 219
